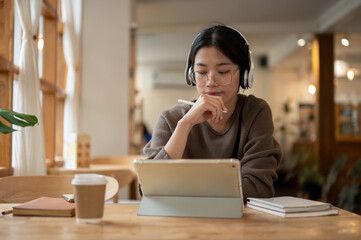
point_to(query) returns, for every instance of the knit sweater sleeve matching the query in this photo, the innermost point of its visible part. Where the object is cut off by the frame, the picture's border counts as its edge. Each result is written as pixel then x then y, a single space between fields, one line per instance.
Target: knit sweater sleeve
pixel 260 152
pixel 163 130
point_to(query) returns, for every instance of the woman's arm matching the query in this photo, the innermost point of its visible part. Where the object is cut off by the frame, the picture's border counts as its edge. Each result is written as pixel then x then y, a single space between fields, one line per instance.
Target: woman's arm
pixel 172 128
pixel 260 154
pixel 177 142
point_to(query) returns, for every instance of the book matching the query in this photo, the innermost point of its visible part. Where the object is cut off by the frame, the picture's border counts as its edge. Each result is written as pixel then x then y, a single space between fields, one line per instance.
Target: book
pixel 288 207
pixel 45 206
pixel 289 204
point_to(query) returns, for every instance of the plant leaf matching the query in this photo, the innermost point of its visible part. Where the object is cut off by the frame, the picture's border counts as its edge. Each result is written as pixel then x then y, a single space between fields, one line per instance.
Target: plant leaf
pixel 5 129
pixel 355 171
pixel 19 119
pixel 332 176
pixel 347 197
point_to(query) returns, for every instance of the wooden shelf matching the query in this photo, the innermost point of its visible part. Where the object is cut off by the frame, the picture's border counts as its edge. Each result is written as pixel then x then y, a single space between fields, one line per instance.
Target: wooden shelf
pixel 348 123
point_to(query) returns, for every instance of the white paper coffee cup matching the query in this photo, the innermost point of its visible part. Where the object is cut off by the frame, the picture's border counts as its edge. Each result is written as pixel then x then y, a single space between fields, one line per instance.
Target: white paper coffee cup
pixel 89 192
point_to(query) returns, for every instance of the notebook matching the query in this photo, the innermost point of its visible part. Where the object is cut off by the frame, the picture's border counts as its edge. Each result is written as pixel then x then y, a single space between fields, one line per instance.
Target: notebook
pixel 291 207
pixel 190 187
pixel 45 206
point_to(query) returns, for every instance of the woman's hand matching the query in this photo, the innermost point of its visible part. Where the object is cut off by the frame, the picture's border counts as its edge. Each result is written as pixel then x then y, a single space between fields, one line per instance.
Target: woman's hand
pixel 206 107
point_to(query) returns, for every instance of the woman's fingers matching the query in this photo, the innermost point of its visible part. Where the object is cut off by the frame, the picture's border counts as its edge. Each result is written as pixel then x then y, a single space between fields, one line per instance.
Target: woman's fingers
pixel 213 104
pixel 206 107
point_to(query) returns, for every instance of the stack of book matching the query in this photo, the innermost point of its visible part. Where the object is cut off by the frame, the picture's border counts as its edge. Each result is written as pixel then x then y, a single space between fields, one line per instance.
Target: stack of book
pixel 291 207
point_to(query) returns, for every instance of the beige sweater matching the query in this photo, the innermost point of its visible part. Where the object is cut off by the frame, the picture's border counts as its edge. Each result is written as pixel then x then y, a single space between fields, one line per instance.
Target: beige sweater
pixel 248 138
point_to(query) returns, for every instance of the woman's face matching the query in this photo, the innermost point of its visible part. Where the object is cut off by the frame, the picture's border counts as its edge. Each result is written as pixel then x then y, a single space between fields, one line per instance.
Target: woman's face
pixel 211 61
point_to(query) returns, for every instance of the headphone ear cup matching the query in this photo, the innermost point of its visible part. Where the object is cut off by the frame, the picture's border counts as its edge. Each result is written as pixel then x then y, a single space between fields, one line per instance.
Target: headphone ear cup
pixel 245 79
pixel 190 77
pixel 250 79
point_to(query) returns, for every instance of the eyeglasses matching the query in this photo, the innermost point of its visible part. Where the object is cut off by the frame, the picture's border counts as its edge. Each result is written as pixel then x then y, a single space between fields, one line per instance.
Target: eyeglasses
pixel 221 78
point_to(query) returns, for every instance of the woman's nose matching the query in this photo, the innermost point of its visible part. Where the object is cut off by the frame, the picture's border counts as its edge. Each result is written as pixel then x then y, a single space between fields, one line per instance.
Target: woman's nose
pixel 211 80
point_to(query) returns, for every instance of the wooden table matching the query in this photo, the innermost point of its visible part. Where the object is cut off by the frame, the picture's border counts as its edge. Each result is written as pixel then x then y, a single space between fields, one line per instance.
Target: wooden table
pixel 121 222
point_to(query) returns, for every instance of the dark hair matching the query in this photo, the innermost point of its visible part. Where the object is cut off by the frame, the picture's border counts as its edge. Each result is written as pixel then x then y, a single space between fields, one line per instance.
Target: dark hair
pixel 229 41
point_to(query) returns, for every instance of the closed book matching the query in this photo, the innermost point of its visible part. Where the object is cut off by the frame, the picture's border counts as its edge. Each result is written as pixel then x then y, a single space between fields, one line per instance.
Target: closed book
pixel 331 211
pixel 45 206
pixel 289 204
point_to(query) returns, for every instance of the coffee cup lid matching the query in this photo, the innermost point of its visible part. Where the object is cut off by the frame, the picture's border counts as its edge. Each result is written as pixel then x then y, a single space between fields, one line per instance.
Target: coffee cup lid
pixel 89 179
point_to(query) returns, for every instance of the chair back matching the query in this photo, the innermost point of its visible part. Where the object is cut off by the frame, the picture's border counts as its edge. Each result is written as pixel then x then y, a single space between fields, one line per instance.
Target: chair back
pixel 20 189
pixel 126 160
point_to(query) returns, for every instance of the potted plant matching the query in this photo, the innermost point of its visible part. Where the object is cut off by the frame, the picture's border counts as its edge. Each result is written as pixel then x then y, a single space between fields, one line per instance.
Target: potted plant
pixel 350 193
pixel 305 168
pixel 19 119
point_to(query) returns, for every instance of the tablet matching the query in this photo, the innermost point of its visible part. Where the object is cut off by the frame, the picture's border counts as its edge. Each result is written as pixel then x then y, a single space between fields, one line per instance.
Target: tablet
pixel 190 177
pixel 190 187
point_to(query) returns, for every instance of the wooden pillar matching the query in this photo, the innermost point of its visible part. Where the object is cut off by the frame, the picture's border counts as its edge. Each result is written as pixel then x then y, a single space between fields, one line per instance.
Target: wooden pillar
pixel 60 98
pixel 6 74
pixel 132 90
pixel 49 75
pixel 322 64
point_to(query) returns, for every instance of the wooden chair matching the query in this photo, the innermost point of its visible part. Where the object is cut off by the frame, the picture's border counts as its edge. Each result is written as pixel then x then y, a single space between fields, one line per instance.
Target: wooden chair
pixel 125 160
pixel 19 189
pixel 123 175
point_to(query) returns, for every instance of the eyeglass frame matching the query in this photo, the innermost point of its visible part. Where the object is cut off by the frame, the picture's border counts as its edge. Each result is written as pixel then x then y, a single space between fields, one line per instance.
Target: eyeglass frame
pixel 193 78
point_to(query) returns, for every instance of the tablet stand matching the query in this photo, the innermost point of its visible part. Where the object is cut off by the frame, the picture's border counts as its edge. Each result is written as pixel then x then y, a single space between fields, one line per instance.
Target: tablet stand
pixel 177 206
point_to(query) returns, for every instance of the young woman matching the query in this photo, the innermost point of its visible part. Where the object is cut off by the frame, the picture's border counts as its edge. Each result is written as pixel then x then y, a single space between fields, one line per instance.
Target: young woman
pixel 222 123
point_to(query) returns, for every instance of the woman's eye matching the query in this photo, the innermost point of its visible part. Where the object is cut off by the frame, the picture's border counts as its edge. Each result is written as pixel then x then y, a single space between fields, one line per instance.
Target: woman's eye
pixel 223 72
pixel 201 73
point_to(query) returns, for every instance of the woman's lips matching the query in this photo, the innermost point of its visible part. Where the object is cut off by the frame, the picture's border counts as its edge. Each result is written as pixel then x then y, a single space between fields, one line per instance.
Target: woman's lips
pixel 213 93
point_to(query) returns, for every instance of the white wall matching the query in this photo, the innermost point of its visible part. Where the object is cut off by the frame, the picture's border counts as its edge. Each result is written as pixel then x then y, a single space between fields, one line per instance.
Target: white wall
pixel 104 104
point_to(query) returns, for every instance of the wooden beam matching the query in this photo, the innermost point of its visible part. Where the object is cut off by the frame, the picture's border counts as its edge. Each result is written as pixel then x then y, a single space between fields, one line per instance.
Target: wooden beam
pixel 5 65
pixel 49 73
pixel 132 95
pixel 8 66
pixel 49 11
pixel 49 87
pixel 60 84
pixel 322 64
pixel 6 76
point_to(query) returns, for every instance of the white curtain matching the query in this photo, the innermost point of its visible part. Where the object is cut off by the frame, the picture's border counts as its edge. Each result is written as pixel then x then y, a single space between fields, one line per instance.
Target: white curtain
pixel 71 10
pixel 28 143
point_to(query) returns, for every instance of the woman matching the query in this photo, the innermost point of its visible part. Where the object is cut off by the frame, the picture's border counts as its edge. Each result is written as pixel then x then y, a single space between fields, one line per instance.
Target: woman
pixel 222 123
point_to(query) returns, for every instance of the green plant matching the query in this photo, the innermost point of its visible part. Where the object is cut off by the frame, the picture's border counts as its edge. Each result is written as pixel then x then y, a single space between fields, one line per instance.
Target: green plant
pixel 19 119
pixel 305 168
pixel 284 124
pixel 347 198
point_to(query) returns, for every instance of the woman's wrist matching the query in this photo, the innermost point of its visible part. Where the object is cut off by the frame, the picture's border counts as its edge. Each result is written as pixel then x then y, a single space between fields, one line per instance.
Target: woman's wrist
pixel 184 125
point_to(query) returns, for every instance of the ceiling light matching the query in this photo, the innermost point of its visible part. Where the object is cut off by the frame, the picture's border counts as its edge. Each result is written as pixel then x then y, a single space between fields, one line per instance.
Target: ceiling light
pixel 301 42
pixel 350 74
pixel 340 68
pixel 312 89
pixel 345 42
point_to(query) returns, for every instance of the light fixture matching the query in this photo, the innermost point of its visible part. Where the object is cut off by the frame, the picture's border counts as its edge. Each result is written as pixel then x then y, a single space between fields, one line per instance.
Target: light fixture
pixel 312 89
pixel 350 74
pixel 301 42
pixel 40 42
pixel 345 42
